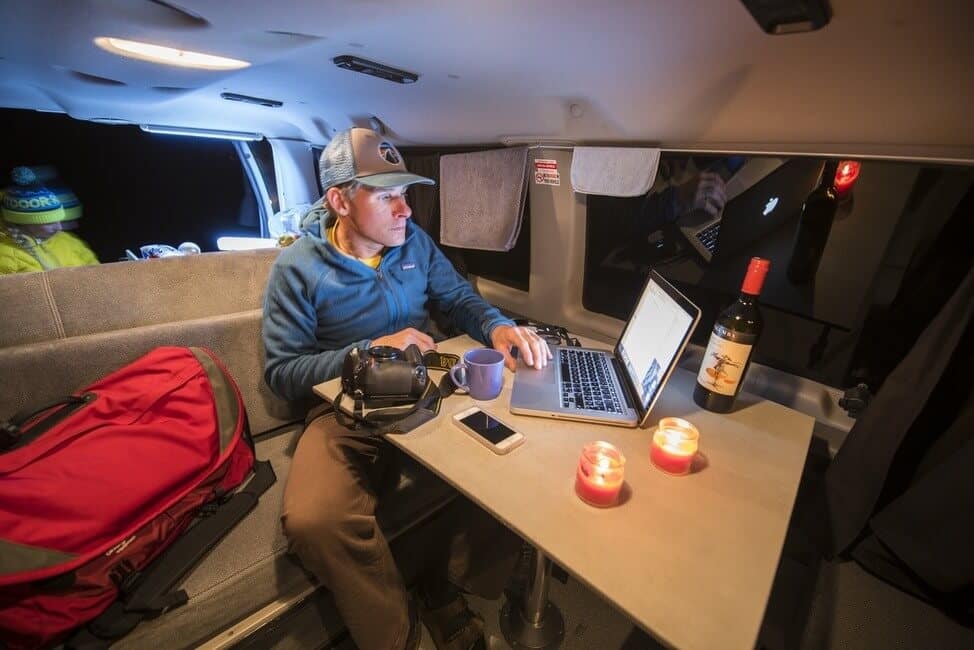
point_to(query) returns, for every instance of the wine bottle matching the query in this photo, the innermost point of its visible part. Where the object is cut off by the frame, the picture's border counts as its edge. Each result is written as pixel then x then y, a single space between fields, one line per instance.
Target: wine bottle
pixel 813 228
pixel 732 341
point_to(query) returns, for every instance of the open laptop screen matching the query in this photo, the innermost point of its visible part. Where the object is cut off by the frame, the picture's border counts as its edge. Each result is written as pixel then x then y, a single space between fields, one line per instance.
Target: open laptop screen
pixel 655 336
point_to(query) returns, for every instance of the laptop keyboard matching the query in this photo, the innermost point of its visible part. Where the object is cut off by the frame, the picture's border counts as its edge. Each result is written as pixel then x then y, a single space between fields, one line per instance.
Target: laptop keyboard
pixel 586 381
pixel 708 236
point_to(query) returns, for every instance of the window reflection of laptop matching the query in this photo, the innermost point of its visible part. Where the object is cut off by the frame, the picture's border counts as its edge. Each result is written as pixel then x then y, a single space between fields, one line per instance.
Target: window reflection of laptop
pixel 765 193
pixel 618 387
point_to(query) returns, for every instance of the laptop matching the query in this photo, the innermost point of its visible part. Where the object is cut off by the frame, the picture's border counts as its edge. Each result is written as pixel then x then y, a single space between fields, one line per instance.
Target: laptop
pixel 765 205
pixel 618 387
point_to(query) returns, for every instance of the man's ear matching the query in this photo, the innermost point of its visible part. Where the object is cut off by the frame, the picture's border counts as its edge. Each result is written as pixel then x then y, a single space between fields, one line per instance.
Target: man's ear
pixel 337 201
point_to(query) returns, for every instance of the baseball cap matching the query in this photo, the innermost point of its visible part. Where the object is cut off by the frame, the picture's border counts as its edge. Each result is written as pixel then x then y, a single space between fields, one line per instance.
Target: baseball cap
pixel 364 156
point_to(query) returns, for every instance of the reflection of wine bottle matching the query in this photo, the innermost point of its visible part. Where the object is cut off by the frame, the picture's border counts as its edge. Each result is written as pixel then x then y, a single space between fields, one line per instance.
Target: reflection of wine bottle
pixel 813 228
pixel 733 338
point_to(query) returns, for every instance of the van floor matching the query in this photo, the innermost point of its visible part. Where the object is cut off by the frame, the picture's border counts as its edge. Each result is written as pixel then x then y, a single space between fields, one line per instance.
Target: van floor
pixel 590 622
pixel 593 624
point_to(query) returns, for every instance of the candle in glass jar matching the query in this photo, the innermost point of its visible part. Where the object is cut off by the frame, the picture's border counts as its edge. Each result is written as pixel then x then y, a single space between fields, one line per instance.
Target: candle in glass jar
pixel 674 445
pixel 600 473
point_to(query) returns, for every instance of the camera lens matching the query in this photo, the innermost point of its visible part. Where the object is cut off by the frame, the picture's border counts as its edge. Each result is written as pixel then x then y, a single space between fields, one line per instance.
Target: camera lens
pixel 385 352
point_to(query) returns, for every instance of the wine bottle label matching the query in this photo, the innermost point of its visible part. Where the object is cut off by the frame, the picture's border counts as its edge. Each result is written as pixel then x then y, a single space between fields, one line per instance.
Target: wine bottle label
pixel 723 364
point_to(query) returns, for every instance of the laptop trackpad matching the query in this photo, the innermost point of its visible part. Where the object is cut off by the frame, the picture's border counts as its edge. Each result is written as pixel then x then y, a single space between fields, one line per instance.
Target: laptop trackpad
pixel 533 388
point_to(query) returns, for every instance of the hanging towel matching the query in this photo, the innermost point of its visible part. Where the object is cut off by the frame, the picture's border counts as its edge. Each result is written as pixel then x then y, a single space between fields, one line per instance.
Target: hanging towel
pixel 614 171
pixel 482 198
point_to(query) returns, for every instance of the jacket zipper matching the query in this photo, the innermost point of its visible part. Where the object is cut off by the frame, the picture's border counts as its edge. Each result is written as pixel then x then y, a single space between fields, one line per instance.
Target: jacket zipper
pixel 394 308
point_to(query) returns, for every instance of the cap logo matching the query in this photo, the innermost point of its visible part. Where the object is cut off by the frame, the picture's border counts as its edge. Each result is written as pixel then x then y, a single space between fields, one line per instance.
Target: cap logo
pixel 389 153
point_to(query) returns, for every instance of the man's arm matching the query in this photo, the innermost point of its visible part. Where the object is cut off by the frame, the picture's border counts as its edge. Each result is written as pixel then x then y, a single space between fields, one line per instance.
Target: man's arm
pixel 475 316
pixel 294 364
pixel 459 302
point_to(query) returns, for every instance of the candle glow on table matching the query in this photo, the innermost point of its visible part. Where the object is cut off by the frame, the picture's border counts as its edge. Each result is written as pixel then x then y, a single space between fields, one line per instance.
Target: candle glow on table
pixel 674 445
pixel 600 474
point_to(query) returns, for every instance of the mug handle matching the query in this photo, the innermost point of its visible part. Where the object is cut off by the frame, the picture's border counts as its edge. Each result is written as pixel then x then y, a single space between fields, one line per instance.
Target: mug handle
pixel 461 385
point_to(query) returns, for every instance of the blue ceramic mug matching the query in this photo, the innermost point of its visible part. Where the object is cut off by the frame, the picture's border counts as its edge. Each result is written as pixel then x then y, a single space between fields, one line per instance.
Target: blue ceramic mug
pixel 480 372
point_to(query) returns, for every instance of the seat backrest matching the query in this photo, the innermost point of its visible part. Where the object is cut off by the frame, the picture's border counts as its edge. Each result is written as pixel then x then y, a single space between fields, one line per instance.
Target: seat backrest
pixel 67 327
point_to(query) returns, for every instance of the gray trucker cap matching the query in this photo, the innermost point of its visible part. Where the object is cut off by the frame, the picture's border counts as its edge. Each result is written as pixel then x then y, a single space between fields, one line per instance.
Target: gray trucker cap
pixel 365 156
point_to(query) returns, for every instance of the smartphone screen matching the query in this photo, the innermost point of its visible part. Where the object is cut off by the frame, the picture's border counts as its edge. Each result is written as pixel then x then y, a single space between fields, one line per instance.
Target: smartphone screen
pixel 487 427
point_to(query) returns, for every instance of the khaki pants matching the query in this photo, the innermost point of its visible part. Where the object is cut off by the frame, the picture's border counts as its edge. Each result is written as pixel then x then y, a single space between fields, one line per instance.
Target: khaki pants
pixel 329 519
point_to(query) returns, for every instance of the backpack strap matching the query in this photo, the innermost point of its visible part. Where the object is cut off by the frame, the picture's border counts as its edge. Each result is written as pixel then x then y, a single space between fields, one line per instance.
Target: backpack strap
pixel 12 433
pixel 150 593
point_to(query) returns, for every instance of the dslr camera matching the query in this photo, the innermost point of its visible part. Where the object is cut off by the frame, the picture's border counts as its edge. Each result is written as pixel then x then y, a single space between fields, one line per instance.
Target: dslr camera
pixel 383 376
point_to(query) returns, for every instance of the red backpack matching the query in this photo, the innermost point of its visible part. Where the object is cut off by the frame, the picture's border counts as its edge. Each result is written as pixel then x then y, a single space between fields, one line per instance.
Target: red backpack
pixel 98 490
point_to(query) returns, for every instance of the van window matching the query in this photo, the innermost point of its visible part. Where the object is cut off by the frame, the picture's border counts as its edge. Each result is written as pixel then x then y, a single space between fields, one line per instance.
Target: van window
pixel 316 155
pixel 264 156
pixel 511 268
pixel 137 188
pixel 890 256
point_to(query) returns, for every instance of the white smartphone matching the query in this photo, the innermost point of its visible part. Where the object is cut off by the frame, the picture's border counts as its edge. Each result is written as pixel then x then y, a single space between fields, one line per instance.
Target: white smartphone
pixel 488 430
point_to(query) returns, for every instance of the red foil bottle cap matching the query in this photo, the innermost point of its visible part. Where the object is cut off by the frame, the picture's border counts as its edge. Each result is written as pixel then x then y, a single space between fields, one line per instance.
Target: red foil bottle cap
pixel 754 278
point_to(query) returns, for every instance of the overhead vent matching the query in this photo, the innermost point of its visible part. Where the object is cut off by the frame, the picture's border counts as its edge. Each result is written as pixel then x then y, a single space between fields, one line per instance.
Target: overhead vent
pixel 248 99
pixel 789 16
pixel 382 71
pixel 185 16
pixel 296 36
pixel 95 79
pixel 171 90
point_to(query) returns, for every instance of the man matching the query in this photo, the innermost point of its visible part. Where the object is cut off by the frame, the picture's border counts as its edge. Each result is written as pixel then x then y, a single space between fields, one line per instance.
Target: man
pixel 31 234
pixel 363 276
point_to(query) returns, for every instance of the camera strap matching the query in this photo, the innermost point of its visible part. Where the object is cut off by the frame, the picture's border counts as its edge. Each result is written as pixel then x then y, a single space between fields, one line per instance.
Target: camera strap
pixel 395 420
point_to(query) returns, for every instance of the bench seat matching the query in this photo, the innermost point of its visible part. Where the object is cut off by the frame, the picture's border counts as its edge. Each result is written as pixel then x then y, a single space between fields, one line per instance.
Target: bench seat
pixel 65 328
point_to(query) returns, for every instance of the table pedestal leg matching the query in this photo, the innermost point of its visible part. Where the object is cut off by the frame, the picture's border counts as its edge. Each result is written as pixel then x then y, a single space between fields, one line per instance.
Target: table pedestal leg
pixel 536 622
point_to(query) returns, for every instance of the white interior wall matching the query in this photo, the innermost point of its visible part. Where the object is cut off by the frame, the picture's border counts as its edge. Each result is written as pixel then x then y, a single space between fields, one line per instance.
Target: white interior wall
pixel 557 257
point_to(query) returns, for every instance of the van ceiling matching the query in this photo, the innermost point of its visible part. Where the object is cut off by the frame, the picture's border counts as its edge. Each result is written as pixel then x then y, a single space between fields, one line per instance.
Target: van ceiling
pixel 884 76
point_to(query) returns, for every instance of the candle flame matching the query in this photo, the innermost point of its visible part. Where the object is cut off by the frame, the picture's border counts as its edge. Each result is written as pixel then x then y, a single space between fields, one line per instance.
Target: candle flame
pixel 675 440
pixel 673 437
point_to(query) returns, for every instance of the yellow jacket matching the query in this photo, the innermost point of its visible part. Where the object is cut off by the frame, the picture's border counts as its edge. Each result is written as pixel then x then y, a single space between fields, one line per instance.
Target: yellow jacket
pixel 25 253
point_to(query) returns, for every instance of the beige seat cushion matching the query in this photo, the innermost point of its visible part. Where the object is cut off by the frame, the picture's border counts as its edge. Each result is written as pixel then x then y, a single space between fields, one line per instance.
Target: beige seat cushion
pixel 132 294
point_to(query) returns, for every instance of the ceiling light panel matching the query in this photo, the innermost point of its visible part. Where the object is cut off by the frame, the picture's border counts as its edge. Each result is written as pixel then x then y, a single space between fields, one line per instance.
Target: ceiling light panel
pixel 168 55
pixel 200 133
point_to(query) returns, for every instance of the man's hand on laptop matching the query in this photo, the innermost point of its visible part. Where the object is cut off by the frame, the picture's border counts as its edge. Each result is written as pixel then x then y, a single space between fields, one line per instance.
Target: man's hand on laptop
pixel 532 349
pixel 403 338
pixel 706 192
pixel 711 194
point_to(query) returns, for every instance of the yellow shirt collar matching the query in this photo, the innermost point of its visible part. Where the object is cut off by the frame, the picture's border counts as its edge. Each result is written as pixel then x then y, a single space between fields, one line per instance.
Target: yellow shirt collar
pixel 371 262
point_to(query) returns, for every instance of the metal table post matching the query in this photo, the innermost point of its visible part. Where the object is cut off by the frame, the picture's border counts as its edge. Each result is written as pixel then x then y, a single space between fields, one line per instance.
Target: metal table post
pixel 535 622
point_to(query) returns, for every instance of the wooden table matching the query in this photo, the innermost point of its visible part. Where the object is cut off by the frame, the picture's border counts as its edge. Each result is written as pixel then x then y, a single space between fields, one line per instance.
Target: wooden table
pixel 690 559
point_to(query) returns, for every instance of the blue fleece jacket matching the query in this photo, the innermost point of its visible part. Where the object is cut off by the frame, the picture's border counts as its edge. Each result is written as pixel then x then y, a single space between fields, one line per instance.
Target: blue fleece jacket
pixel 321 303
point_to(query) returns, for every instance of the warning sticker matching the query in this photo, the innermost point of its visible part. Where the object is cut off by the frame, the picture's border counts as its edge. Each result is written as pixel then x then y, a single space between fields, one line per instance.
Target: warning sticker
pixel 546 172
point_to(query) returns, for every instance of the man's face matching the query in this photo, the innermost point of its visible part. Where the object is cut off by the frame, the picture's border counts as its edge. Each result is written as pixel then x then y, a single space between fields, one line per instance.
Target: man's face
pixel 379 215
pixel 40 230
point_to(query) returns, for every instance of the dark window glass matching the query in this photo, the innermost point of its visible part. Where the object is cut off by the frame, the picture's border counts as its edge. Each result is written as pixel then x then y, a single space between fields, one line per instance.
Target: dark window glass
pixel 264 156
pixel 890 254
pixel 136 188
pixel 316 154
pixel 512 267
